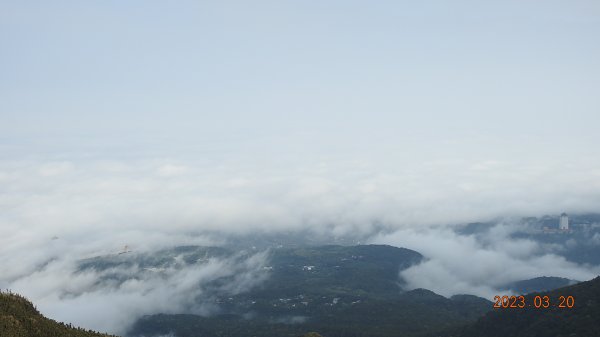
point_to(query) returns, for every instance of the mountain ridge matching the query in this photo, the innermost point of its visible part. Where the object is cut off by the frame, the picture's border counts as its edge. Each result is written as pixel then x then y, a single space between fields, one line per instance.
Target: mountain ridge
pixel 580 320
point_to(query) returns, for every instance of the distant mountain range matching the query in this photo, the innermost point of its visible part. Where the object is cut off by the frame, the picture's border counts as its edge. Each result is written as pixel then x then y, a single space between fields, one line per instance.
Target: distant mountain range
pixel 337 291
pixel 539 284
pixel 19 318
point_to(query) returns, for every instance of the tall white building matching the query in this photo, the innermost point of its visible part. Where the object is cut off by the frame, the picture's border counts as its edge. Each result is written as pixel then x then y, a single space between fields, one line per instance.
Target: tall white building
pixel 563 222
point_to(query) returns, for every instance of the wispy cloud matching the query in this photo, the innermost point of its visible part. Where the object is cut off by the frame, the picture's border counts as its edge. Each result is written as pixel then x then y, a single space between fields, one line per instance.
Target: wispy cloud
pixel 112 299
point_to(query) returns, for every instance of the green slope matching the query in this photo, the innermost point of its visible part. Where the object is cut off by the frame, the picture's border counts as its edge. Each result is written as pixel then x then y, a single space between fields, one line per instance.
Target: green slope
pixel 19 318
pixel 582 320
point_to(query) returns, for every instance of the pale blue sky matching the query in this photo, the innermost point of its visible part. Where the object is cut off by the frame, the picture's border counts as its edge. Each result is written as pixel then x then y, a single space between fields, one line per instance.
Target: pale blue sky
pixel 337 75
pixel 411 111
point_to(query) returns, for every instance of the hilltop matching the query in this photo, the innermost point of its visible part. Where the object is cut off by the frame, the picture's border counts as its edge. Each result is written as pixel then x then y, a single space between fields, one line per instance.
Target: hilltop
pixel 581 320
pixel 20 318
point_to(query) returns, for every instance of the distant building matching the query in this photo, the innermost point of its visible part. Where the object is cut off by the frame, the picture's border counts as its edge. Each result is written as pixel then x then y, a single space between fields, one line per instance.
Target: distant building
pixel 563 222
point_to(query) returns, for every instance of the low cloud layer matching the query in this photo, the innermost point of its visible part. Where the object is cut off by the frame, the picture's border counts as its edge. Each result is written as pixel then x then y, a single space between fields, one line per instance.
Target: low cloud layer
pixel 92 198
pixel 112 299
pixel 480 264
pixel 57 212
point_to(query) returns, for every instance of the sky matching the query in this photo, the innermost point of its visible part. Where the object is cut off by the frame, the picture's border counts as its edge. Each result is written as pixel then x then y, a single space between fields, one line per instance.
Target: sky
pixel 150 123
pixel 395 88
pixel 507 79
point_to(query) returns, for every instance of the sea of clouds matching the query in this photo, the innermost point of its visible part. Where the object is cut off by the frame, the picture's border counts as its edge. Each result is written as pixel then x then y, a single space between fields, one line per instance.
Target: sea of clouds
pixel 57 212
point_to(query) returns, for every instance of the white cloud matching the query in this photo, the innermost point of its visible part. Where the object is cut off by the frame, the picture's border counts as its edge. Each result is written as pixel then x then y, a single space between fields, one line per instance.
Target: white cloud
pixel 478 264
pixel 95 207
pixel 84 298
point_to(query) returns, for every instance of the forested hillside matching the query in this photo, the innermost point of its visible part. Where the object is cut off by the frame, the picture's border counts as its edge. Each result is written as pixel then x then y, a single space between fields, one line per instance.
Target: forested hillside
pixel 580 320
pixel 20 318
pixel 334 290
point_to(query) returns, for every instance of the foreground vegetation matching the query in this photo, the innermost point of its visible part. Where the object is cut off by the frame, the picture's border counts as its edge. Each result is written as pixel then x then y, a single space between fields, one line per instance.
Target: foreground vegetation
pixel 20 318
